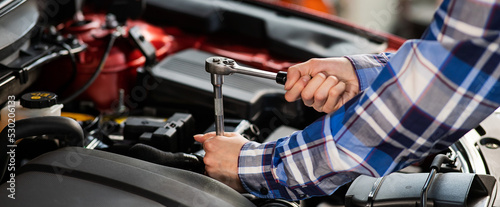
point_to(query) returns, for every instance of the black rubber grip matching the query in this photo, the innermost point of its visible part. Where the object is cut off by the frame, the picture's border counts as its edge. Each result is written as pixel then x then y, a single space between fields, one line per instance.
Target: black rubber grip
pixel 281 77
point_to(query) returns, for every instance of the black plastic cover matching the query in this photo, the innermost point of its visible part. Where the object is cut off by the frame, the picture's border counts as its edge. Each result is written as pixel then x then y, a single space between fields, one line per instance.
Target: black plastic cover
pixel 174 134
pixel 83 177
pixel 135 126
pixel 284 32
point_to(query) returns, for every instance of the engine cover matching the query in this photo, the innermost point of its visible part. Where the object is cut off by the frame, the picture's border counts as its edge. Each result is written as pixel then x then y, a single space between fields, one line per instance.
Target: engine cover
pixel 83 177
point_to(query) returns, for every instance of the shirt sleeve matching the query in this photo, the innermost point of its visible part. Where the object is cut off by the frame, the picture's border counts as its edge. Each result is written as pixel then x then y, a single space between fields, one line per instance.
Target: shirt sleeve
pixel 428 95
pixel 368 66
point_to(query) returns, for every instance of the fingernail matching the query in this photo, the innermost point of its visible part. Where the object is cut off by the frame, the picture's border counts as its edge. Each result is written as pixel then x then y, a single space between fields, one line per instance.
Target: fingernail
pixel 322 75
pixel 287 87
pixel 306 78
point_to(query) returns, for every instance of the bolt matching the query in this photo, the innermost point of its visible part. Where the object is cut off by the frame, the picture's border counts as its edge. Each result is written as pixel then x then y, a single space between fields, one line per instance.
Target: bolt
pixel 491 145
pixel 216 60
pixel 75 42
pixel 59 38
pixel 110 21
pixel 53 31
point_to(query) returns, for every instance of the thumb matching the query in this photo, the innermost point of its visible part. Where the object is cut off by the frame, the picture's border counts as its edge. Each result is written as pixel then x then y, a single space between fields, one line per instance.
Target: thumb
pixel 203 137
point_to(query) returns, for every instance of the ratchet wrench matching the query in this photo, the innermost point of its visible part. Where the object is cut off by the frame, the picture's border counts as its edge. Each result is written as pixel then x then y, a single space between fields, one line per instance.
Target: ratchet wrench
pixel 220 66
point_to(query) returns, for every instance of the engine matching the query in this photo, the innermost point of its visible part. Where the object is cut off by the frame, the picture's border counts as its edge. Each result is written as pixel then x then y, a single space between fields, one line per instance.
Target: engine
pixel 101 101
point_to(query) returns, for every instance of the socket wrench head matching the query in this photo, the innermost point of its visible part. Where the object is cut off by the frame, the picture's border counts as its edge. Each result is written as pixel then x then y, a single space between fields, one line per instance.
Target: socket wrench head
pixel 220 65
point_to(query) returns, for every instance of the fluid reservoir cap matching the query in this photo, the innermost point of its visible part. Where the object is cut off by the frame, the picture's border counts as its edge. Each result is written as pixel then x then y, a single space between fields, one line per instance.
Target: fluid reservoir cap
pixel 38 100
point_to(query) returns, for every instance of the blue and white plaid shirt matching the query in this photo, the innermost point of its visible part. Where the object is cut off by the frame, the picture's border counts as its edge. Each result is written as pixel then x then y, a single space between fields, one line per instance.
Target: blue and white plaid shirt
pixel 414 102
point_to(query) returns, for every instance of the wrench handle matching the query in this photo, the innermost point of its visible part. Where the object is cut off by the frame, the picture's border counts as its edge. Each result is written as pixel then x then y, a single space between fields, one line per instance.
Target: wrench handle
pixel 281 77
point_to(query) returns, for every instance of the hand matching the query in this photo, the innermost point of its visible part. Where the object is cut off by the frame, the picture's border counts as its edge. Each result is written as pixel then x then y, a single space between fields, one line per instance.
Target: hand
pixel 324 84
pixel 221 158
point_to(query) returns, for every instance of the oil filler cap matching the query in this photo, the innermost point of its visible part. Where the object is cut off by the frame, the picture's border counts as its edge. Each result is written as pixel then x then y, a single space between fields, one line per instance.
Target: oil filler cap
pixel 38 100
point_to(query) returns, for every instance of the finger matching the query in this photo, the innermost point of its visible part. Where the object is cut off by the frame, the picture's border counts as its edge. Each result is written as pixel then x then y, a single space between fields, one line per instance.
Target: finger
pixel 334 100
pixel 351 90
pixel 203 137
pixel 294 93
pixel 321 95
pixel 294 73
pixel 311 87
pixel 292 76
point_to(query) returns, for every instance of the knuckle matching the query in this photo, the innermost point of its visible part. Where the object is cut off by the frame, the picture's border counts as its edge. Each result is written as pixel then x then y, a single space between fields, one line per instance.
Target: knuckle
pixel 306 96
pixel 319 97
pixel 314 60
pixel 208 160
pixel 230 134
pixel 293 69
pixel 208 145
pixel 334 92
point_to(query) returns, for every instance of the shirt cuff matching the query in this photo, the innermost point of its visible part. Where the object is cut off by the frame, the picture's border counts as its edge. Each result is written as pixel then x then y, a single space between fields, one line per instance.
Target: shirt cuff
pixel 368 67
pixel 257 176
pixel 254 170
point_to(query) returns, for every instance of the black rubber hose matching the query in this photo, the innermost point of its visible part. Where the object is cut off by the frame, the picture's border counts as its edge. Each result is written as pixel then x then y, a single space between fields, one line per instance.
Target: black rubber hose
pixel 439 160
pixel 177 160
pixel 75 94
pixel 46 125
pixel 435 167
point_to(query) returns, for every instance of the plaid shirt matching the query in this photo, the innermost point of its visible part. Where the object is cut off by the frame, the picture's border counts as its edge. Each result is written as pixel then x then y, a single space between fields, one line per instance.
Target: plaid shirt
pixel 414 102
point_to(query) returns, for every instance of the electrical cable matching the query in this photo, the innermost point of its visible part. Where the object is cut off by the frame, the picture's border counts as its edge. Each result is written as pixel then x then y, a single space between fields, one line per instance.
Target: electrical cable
pixel 98 71
pixel 74 69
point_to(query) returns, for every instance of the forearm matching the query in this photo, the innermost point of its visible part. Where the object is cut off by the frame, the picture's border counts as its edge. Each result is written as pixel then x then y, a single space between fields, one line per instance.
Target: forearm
pixel 268 171
pixel 429 94
pixel 385 128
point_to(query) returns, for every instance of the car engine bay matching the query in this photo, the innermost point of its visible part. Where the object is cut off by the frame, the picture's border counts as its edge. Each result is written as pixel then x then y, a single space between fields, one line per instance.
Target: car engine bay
pixel 101 100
